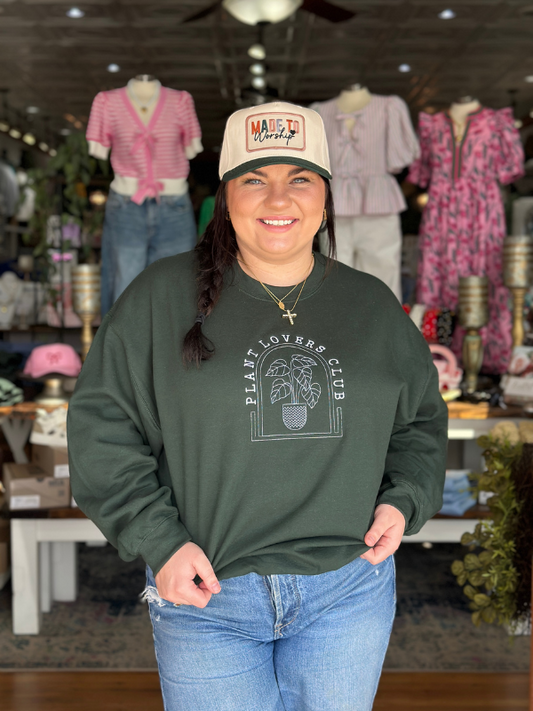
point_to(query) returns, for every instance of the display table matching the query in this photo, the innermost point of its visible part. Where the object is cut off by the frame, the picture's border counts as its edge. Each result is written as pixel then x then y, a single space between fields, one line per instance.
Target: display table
pixel 43 550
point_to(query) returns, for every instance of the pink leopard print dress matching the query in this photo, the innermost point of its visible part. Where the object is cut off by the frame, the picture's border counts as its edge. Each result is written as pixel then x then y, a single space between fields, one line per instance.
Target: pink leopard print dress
pixel 463 226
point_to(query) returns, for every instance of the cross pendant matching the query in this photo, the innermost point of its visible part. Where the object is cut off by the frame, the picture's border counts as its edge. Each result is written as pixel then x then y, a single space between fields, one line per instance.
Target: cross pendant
pixel 290 316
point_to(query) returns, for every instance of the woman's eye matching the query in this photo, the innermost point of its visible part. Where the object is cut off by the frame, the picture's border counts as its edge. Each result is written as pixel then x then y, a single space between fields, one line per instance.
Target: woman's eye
pixel 301 180
pixel 252 181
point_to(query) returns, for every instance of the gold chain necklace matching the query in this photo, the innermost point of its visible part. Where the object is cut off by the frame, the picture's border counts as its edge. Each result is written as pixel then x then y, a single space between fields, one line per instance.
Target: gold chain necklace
pixel 290 314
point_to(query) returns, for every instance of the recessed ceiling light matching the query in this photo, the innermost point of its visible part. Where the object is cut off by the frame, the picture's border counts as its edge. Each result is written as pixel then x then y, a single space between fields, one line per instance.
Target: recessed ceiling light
pixel 257 51
pixel 44 146
pixel 65 132
pixel 258 69
pixel 529 78
pixel 113 68
pixel 518 123
pixel 32 109
pixel 404 68
pixel 530 115
pixel 258 83
pixel 447 15
pixel 4 126
pixel 53 152
pixel 29 138
pixel 75 13
pixel 15 133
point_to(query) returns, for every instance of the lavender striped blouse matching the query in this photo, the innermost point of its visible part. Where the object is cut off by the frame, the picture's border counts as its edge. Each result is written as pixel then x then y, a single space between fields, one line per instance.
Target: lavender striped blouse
pixel 382 142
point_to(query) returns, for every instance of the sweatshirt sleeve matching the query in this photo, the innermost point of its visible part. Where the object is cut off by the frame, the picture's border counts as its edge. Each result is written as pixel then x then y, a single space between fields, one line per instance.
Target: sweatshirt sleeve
pixel 415 466
pixel 115 455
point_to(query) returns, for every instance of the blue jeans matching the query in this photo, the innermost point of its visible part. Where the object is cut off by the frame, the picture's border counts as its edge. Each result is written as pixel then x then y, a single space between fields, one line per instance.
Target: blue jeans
pixel 277 642
pixel 134 236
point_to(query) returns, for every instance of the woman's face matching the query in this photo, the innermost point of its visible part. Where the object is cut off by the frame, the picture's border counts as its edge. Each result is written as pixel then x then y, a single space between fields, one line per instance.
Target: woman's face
pixel 276 211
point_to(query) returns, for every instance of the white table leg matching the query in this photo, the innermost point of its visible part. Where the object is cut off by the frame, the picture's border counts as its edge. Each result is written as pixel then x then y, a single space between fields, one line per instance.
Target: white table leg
pixel 25 572
pixel 16 431
pixel 45 576
pixel 64 571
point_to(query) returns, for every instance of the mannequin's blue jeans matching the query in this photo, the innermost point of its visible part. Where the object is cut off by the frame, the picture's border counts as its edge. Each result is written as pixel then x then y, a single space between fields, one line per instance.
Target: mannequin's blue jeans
pixel 134 236
pixel 277 642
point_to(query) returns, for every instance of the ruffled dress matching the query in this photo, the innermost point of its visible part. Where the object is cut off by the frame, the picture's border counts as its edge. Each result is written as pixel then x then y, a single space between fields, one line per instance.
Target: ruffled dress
pixel 463 225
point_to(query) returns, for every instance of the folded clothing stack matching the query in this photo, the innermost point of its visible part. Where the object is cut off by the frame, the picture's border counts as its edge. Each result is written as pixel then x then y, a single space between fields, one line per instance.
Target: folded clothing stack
pixel 457 496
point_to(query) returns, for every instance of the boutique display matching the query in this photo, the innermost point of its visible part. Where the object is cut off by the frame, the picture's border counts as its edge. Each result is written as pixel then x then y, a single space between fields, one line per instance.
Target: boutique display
pixel 466 153
pixel 370 138
pixel 153 132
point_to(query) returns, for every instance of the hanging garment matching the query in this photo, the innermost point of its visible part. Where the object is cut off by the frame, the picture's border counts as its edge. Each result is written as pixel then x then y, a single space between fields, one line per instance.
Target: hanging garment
pixel 150 160
pixel 463 226
pixel 381 142
pixel 135 235
pixel 372 244
pixel 9 190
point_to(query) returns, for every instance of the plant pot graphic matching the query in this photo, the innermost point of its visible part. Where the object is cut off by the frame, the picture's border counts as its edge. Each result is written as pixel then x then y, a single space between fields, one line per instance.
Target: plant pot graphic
pixel 294 416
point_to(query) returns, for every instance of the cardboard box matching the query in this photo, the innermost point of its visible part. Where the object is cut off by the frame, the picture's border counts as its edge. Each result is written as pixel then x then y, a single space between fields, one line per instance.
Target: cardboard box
pixel 28 487
pixel 4 546
pixel 52 460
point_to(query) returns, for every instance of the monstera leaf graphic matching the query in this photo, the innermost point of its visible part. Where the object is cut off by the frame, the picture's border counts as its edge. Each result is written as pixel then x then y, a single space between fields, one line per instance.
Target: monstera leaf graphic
pixel 278 368
pixel 302 360
pixel 280 389
pixel 302 375
pixel 311 394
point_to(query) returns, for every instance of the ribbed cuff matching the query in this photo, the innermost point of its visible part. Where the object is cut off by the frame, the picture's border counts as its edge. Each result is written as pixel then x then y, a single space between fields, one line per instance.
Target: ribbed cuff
pixel 163 542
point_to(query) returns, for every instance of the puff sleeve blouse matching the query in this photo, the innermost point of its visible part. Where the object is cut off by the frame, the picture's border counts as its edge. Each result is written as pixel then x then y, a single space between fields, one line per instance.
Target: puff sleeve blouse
pixel 363 159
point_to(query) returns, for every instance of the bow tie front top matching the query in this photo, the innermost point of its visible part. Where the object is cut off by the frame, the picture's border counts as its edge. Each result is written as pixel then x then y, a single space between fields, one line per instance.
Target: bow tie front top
pixel 148 160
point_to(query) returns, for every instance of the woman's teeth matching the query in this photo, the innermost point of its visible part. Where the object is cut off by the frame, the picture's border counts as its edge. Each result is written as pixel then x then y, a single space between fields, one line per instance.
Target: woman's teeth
pixel 278 222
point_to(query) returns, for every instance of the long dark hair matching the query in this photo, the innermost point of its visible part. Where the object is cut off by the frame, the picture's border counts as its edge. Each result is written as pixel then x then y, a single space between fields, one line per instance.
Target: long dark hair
pixel 217 252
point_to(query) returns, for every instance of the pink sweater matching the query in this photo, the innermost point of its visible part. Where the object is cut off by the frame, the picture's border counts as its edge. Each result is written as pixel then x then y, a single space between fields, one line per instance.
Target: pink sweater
pixel 152 153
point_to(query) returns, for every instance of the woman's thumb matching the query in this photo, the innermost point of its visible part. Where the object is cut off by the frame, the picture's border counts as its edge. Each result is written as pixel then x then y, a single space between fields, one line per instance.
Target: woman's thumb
pixel 205 570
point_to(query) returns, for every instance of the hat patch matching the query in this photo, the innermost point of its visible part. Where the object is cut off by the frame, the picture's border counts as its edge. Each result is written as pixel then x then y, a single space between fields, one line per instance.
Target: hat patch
pixel 265 131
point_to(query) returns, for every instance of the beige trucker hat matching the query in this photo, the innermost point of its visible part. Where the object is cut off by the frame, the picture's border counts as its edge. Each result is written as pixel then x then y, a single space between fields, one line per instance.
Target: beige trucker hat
pixel 272 134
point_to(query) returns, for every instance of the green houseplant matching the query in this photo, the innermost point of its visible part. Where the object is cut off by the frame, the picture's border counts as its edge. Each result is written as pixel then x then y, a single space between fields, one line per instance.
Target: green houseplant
pixel 494 571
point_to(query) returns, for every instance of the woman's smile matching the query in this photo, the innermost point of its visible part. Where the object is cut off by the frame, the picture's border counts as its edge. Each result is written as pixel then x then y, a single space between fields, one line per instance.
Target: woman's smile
pixel 277 223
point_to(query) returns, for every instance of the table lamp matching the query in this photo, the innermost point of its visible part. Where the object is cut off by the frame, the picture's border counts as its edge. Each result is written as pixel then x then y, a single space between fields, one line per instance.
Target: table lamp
pixel 86 283
pixel 517 277
pixel 473 315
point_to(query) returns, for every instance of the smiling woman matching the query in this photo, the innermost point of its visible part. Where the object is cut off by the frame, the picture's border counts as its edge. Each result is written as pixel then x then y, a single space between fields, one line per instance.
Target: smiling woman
pixel 268 487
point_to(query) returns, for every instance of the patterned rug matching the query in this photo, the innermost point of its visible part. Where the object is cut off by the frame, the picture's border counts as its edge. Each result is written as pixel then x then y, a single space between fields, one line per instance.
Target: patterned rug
pixel 109 628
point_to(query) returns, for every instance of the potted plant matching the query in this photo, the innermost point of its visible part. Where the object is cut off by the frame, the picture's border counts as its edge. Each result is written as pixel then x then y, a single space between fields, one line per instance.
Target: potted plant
pixel 294 380
pixel 496 573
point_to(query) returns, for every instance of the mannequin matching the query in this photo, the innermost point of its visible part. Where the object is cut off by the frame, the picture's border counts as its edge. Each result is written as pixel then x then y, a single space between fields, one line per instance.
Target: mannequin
pixel 459 112
pixel 353 99
pixel 154 132
pixel 369 137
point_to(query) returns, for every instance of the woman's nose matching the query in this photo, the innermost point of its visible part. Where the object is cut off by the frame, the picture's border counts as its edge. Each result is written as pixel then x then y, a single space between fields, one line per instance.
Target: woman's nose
pixel 277 197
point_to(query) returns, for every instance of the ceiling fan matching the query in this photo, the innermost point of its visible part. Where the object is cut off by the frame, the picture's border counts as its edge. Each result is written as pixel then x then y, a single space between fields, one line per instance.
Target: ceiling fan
pixel 253 12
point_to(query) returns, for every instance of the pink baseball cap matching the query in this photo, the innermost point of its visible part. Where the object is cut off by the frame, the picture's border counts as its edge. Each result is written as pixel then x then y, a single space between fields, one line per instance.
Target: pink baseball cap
pixel 53 358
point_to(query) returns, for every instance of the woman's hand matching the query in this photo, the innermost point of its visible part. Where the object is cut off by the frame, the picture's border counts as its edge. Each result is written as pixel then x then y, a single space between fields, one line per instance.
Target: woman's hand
pixel 175 579
pixel 385 534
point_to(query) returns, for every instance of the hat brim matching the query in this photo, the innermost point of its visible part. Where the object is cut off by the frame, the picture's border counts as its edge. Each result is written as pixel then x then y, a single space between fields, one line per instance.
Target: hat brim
pixel 274 160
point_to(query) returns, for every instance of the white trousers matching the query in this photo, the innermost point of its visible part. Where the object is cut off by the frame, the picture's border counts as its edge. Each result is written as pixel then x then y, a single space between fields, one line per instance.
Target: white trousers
pixel 372 244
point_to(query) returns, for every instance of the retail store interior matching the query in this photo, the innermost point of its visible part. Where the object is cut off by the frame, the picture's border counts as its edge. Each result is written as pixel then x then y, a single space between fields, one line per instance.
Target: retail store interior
pixel 112 118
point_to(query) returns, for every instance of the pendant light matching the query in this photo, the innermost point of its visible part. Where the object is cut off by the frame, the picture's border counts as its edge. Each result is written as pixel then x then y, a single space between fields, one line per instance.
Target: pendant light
pixel 252 12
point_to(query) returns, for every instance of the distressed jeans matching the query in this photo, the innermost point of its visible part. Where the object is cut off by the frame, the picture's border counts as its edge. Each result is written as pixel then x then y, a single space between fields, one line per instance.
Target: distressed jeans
pixel 134 236
pixel 277 642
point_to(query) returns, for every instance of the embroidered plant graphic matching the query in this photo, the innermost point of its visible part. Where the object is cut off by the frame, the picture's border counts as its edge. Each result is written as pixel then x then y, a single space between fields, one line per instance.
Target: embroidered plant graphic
pixel 294 380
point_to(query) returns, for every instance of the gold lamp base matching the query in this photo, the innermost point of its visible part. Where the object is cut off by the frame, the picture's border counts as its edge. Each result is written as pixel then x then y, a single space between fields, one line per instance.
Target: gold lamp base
pixel 472 358
pixel 86 334
pixel 519 294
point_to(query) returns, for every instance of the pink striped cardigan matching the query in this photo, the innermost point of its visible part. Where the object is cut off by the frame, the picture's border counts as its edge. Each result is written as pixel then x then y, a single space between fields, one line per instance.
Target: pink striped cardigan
pixel 149 153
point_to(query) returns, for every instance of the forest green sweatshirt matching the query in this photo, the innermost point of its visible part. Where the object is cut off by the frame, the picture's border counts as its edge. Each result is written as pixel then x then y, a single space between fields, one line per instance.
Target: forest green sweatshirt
pixel 273 455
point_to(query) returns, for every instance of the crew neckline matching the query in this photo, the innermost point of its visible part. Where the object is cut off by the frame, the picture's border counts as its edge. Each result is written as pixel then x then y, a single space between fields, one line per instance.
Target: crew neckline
pixel 252 287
